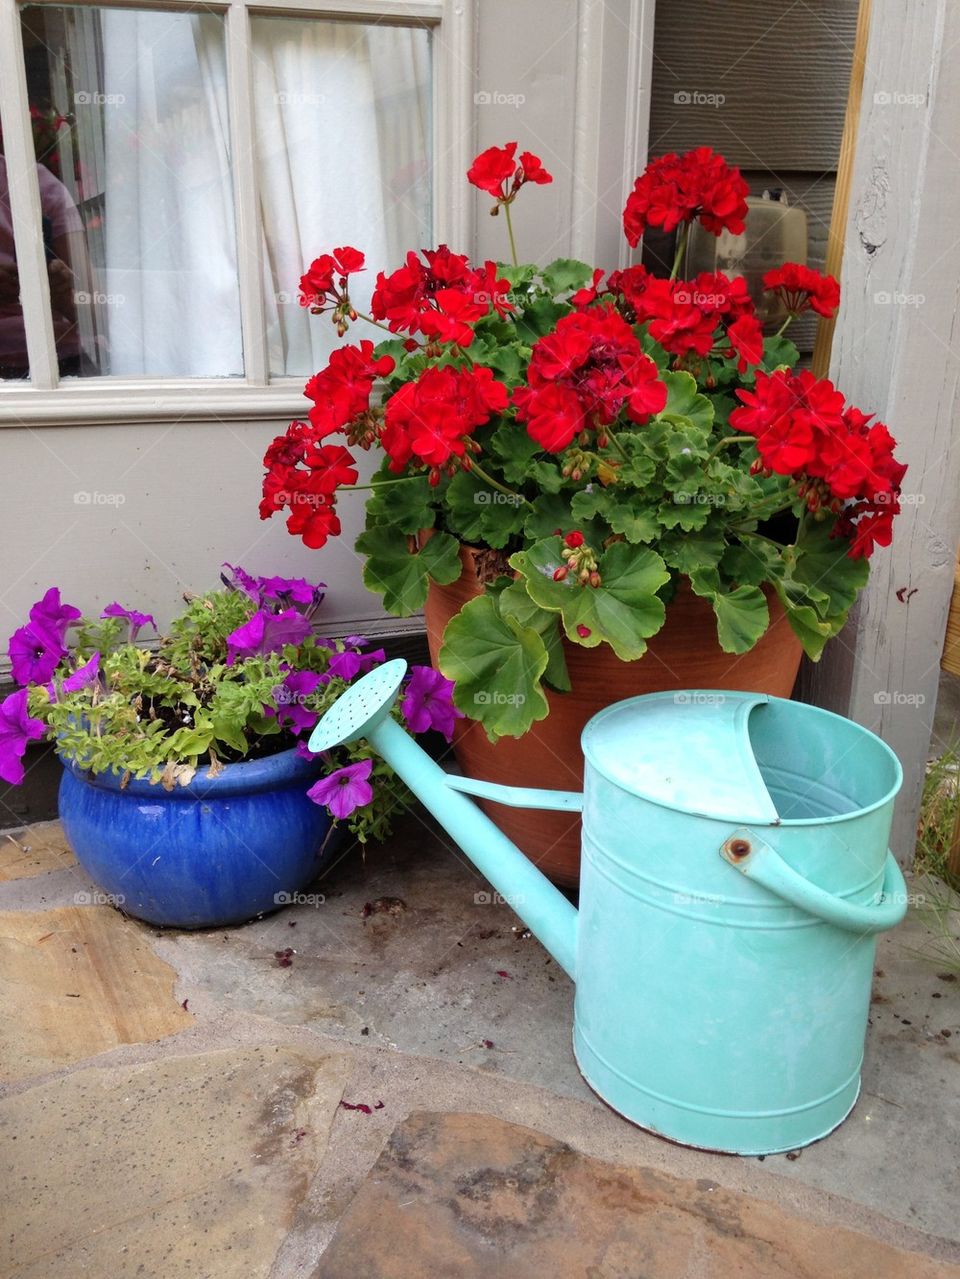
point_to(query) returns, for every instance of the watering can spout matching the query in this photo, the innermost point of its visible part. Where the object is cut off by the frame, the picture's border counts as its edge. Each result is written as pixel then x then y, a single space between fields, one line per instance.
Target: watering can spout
pixel 364 711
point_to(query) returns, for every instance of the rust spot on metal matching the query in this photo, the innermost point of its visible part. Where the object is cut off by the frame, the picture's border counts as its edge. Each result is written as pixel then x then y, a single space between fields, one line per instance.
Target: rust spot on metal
pixel 738 848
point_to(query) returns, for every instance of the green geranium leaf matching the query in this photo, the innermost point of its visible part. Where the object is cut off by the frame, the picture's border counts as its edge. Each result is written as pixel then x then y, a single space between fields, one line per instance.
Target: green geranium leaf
pixel 690 551
pixel 404 504
pixel 519 277
pixel 507 360
pixel 551 511
pixel 515 450
pixel 479 513
pixel 624 611
pixel 822 563
pixel 403 576
pixel 684 400
pixel 812 630
pixel 742 614
pixel 516 603
pixel 635 525
pixel 686 515
pixel 537 318
pixel 496 665
pixel 777 352
pixel 750 563
pixel 565 274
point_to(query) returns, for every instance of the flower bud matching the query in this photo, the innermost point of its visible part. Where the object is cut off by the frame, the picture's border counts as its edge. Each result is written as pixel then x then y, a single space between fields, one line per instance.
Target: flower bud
pixel 559 574
pixel 594 579
pixel 574 539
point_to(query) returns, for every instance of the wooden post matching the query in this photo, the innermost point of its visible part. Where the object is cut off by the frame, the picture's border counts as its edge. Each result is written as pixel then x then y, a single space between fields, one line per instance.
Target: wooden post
pixel 841 192
pixel 896 351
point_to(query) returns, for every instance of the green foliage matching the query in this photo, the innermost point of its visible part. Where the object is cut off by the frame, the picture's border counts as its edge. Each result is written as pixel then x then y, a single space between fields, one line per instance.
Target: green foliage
pixel 165 714
pixel 671 498
pixel 496 664
pixel 401 571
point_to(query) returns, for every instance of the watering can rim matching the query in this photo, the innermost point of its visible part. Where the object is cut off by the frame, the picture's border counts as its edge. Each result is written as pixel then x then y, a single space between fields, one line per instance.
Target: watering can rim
pixel 758 699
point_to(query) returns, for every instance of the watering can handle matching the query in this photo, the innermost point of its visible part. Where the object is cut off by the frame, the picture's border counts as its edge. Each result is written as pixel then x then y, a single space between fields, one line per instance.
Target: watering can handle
pixel 758 861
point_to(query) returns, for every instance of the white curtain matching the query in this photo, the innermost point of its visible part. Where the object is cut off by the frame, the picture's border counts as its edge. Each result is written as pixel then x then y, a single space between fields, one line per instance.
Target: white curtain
pixel 170 271
pixel 342 118
pixel 342 115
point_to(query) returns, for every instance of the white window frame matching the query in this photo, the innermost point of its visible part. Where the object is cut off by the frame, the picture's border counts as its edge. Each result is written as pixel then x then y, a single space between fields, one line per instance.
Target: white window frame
pixel 47 401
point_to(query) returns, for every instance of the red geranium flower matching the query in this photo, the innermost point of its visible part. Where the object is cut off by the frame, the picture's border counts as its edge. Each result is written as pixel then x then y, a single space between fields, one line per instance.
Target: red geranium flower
pixel 533 170
pixel 712 314
pixel 495 167
pixel 341 391
pixel 492 168
pixel 432 418
pixel 803 430
pixel 802 289
pixel 440 298
pixel 674 189
pixel 583 374
pixel 453 317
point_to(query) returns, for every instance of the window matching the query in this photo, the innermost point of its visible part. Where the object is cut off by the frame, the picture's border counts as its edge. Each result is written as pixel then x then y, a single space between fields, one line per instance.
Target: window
pixel 168 173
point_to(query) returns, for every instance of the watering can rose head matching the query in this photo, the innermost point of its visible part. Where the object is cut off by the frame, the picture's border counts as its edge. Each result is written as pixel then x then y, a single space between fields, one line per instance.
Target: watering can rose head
pixel 239 675
pixel 596 437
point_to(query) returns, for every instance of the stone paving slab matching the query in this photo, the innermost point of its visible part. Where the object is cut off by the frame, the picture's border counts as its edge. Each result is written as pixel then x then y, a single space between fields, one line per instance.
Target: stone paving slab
pixel 465 1196
pixel 188 1166
pixel 78 981
pixel 34 850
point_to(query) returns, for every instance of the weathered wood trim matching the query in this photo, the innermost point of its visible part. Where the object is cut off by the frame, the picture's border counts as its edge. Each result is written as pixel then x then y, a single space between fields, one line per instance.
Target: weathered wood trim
pixel 841 192
pixel 896 350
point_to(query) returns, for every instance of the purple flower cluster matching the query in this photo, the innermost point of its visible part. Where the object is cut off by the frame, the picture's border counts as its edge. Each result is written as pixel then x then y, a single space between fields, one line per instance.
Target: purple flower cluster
pixel 37 649
pixel 274 590
pixel 267 632
pixel 282 618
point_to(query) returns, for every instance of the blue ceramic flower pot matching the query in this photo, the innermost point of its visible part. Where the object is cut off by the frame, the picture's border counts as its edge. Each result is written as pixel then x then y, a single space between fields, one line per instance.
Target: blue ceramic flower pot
pixel 218 851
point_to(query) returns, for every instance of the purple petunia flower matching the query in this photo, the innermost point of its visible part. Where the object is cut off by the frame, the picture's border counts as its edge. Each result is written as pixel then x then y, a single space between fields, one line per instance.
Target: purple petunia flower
pixel 349 664
pixel 428 702
pixel 288 590
pixel 16 730
pixel 35 653
pixel 52 617
pixel 267 633
pixel 240 580
pixel 290 697
pixel 346 790
pixel 295 590
pixel 136 620
pixel 82 677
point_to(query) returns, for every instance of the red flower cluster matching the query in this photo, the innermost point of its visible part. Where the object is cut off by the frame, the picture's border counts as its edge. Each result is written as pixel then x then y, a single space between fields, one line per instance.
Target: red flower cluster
pixel 341 391
pixel 430 420
pixel 325 284
pixel 804 430
pixel 303 474
pixel 304 477
pixel 582 375
pixel 712 313
pixel 675 189
pixel 803 289
pixel 495 167
pixel 441 299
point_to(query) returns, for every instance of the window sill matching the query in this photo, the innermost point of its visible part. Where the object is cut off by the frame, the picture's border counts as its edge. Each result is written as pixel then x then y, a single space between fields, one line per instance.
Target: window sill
pixel 109 402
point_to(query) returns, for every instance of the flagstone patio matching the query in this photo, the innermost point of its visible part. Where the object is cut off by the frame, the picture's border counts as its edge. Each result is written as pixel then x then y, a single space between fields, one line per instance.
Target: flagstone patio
pixel 400 1099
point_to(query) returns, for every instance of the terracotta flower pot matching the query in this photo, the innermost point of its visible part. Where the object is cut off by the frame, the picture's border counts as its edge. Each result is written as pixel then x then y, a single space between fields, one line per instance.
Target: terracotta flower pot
pixel 684 654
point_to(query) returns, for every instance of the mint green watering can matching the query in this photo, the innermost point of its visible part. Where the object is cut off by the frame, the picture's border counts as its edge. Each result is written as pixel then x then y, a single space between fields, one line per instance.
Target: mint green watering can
pixel 735 874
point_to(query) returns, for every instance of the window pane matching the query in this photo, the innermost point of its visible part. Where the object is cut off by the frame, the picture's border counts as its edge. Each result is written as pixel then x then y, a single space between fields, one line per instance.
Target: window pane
pixel 133 162
pixel 13 343
pixel 343 150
